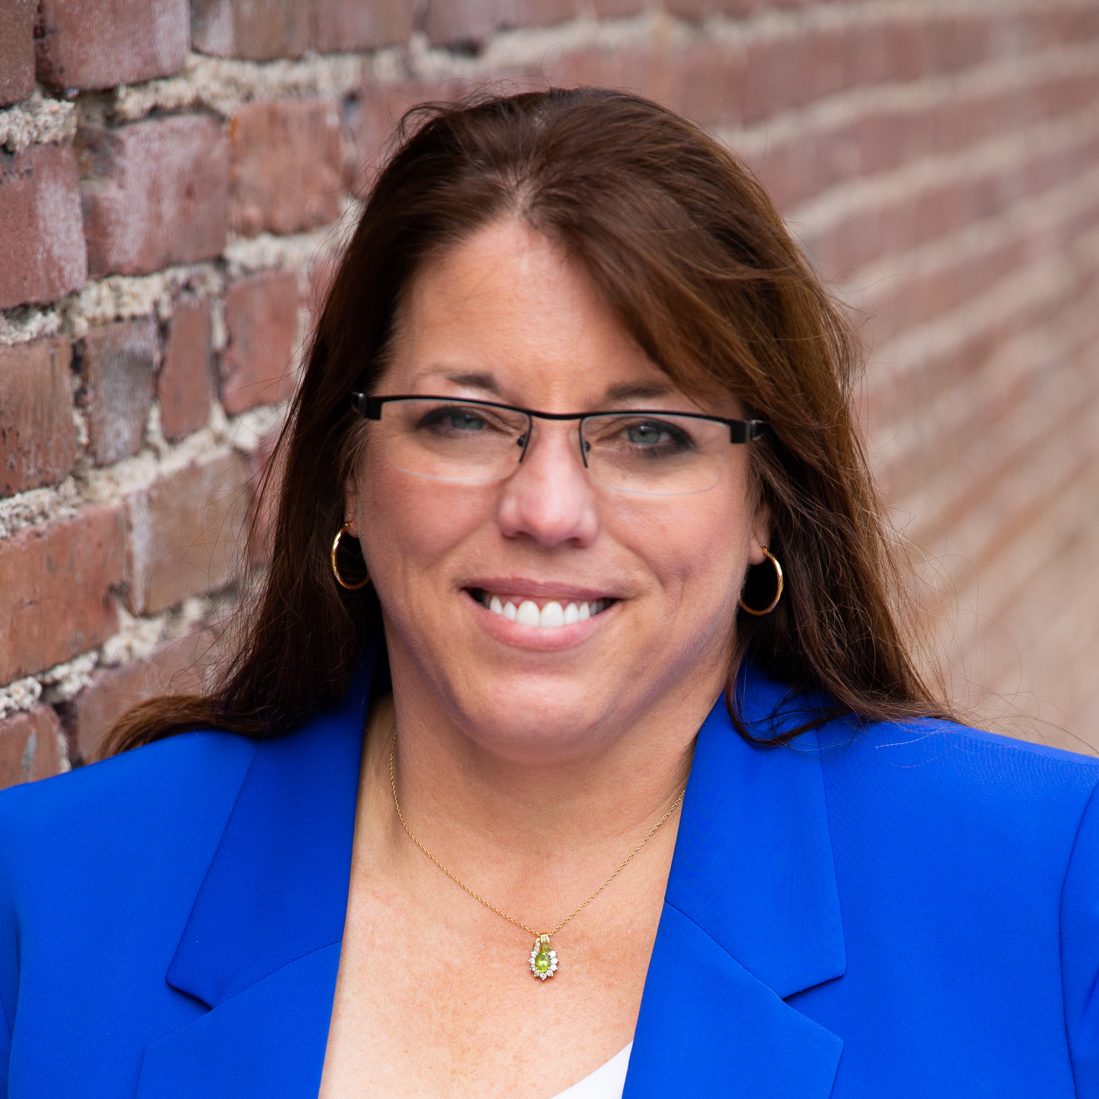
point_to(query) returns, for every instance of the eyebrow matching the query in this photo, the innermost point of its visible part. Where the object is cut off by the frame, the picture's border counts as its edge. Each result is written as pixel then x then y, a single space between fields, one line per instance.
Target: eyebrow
pixel 637 391
pixel 621 391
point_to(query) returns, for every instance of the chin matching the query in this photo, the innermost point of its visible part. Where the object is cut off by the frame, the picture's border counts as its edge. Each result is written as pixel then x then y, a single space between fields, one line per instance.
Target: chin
pixel 520 720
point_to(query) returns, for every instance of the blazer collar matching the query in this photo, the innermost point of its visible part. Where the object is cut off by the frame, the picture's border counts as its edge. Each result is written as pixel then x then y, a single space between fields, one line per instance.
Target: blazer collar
pixel 261 945
pixel 751 917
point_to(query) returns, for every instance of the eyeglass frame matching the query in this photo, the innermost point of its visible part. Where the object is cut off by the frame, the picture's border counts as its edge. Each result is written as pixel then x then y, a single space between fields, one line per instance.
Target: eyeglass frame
pixel 740 431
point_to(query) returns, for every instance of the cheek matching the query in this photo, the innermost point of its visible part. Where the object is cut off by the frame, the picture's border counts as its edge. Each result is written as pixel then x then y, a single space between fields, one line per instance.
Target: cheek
pixel 409 524
pixel 707 535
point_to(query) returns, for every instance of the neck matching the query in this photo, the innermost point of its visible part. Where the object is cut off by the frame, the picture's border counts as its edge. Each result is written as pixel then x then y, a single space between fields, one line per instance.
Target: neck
pixel 536 840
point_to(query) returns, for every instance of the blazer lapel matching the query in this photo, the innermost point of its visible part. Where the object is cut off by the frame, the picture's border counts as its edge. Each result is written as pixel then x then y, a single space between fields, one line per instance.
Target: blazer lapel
pixel 261 947
pixel 751 917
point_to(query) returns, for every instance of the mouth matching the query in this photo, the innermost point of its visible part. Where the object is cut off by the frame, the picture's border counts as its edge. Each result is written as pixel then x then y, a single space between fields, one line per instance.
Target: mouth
pixel 544 613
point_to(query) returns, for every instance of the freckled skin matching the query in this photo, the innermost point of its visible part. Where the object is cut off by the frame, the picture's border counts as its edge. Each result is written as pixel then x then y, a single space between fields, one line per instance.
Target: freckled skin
pixel 508 304
pixel 531 770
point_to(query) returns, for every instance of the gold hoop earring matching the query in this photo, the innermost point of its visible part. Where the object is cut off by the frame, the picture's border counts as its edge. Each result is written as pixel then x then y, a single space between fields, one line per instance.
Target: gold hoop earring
pixel 345 529
pixel 779 584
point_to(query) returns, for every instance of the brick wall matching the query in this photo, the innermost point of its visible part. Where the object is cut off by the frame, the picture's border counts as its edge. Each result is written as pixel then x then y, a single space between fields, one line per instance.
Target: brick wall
pixel 173 174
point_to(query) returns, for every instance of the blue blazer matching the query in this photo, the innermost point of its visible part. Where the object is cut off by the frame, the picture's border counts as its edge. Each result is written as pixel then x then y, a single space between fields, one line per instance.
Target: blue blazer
pixel 892 910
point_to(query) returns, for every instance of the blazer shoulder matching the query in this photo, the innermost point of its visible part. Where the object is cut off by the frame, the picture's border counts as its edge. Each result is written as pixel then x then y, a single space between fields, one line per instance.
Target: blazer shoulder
pixel 961 785
pixel 137 797
pixel 949 749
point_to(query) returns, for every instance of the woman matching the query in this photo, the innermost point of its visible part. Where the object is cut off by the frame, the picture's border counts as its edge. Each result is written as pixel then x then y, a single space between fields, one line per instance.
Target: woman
pixel 651 799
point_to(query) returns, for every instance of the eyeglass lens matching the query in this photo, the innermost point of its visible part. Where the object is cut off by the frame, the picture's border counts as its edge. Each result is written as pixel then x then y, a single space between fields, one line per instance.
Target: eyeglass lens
pixel 470 443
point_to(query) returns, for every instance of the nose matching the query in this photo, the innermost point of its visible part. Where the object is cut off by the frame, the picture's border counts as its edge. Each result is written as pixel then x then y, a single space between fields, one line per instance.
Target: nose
pixel 549 497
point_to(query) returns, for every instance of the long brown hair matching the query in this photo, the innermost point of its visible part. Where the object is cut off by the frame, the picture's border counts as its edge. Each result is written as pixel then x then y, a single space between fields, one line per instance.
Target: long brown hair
pixel 691 255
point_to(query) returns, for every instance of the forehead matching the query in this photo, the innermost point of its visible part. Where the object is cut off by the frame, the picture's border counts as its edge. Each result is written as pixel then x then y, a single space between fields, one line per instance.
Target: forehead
pixel 513 310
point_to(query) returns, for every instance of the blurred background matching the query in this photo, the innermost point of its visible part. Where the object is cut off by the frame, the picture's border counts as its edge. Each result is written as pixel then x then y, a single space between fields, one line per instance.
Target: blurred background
pixel 176 177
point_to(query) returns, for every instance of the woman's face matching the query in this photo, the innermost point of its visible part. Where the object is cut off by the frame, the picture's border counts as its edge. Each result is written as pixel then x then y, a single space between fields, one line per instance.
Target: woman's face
pixel 506 316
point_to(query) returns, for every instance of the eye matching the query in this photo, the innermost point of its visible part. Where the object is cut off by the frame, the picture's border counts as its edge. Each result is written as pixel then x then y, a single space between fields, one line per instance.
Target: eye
pixel 456 419
pixel 654 438
pixel 653 433
pixel 459 420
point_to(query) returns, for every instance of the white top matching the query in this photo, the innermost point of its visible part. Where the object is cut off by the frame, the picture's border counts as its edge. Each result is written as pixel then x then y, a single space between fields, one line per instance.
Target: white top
pixel 606 1082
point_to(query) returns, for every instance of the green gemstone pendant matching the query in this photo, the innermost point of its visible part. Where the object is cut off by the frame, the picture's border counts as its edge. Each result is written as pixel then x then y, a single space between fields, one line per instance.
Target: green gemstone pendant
pixel 543 958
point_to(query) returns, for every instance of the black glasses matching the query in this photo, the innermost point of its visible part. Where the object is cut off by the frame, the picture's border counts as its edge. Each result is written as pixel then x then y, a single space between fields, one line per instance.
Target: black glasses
pixel 644 451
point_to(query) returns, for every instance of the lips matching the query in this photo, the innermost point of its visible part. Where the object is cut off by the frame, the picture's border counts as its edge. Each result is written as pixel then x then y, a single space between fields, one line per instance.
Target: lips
pixel 546 614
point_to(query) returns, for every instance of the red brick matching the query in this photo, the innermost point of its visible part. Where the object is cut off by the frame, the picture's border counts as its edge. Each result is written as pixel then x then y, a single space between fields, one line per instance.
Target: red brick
pixel 37 439
pixel 539 13
pixel 370 118
pixel 779 75
pixel 40 225
pixel 185 532
pixel 260 30
pixel 185 385
pixel 699 9
pixel 646 69
pixel 608 9
pixel 339 25
pixel 261 318
pixel 117 368
pixel 154 193
pixel 30 746
pixel 55 589
pixel 16 50
pixel 450 24
pixel 319 279
pixel 264 468
pixel 473 21
pixel 174 668
pixel 286 166
pixel 100 43
pixel 709 84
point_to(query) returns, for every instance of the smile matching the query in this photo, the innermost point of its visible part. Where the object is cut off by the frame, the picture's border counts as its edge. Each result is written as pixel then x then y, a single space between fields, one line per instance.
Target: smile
pixel 547 614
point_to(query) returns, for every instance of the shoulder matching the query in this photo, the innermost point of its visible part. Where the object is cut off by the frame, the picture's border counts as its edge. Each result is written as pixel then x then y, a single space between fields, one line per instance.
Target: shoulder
pixel 962 807
pixel 137 799
pixel 945 757
pixel 917 766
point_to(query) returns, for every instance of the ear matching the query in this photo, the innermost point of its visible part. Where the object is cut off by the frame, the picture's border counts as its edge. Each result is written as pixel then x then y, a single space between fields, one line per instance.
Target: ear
pixel 761 534
pixel 351 504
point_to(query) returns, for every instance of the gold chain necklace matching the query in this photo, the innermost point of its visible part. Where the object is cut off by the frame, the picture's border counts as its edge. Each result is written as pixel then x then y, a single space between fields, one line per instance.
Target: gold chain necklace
pixel 543 957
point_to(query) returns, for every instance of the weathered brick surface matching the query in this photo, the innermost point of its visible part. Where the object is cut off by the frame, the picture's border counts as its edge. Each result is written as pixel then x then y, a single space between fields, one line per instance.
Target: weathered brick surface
pixel 56 583
pixel 40 226
pixel 286 166
pixel 16 50
pixel 30 746
pixel 37 437
pixel 173 668
pixel 340 26
pixel 369 119
pixel 451 24
pixel 100 43
pixel 608 9
pixel 263 472
pixel 154 193
pixel 261 319
pixel 256 29
pixel 942 163
pixel 117 363
pixel 473 21
pixel 185 386
pixel 185 532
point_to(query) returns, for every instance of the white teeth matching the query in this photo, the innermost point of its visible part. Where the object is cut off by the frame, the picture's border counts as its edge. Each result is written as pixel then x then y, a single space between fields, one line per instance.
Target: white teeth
pixel 549 617
pixel 528 614
pixel 552 616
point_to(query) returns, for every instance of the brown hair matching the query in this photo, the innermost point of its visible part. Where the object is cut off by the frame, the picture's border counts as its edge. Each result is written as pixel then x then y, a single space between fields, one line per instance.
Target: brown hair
pixel 691 255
